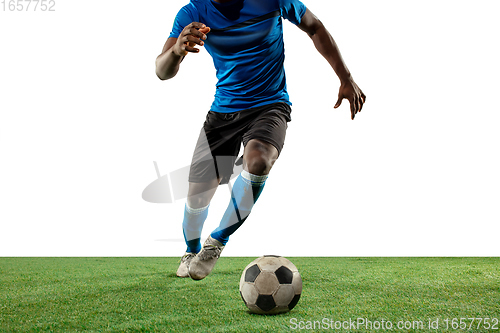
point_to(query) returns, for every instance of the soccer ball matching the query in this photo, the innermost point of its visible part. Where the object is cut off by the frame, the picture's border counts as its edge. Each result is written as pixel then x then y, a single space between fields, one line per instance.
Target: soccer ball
pixel 270 285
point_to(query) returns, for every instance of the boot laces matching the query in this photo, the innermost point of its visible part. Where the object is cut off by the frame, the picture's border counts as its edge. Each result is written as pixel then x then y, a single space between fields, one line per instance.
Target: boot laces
pixel 210 251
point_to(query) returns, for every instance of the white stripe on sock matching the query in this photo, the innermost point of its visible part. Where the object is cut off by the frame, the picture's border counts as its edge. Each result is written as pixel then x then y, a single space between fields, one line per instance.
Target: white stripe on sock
pixel 196 211
pixel 253 179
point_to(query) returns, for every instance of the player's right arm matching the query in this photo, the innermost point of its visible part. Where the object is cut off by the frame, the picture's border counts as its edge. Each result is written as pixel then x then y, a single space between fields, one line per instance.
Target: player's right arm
pixel 175 49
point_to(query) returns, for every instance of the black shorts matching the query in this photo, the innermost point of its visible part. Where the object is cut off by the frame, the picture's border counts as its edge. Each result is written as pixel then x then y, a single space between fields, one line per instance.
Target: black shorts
pixel 220 138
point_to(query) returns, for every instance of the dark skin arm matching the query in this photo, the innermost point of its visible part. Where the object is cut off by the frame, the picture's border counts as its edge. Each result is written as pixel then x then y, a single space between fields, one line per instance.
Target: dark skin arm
pixel 175 49
pixel 326 46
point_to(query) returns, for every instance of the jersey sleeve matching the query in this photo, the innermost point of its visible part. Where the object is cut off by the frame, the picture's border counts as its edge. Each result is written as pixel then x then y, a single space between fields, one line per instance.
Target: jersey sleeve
pixel 185 16
pixel 292 10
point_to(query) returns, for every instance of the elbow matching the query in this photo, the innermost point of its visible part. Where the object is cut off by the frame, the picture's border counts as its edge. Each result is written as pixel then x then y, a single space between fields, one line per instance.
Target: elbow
pixel 158 73
pixel 162 74
pixel 161 77
pixel 165 76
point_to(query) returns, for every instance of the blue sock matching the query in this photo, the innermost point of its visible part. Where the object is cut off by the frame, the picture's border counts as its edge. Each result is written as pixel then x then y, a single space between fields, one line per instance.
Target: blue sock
pixel 192 225
pixel 246 190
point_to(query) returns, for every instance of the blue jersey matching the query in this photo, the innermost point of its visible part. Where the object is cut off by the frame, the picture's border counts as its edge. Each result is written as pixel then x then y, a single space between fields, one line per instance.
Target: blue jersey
pixel 246 45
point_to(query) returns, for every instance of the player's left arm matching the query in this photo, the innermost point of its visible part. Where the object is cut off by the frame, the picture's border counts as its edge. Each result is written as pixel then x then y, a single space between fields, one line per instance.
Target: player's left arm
pixel 326 46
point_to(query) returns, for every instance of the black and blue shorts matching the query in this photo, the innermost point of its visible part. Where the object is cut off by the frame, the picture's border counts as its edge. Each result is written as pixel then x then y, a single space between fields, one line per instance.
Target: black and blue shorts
pixel 222 134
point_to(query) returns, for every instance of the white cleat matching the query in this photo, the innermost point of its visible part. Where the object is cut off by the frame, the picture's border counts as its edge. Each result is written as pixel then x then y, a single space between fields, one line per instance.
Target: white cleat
pixel 206 259
pixel 183 270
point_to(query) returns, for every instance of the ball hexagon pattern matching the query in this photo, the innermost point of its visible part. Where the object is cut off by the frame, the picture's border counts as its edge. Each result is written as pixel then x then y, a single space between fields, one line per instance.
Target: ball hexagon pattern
pixel 270 285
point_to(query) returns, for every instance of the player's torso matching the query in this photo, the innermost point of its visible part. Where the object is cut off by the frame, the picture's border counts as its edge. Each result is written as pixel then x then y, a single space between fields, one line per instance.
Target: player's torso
pixel 240 25
pixel 246 45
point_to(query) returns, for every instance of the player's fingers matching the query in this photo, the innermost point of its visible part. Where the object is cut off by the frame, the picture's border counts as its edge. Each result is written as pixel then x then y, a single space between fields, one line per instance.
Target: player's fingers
pixel 194 40
pixel 205 30
pixel 357 103
pixel 191 49
pixel 189 29
pixel 363 96
pixel 184 39
pixel 339 101
pixel 361 102
pixel 353 110
pixel 197 25
pixel 197 33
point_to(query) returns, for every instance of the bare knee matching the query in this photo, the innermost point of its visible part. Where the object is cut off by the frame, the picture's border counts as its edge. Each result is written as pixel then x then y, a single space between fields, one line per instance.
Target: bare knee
pixel 198 201
pixel 260 157
pixel 259 165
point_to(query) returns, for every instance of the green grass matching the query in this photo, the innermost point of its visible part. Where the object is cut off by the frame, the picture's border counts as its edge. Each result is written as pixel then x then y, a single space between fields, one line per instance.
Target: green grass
pixel 143 294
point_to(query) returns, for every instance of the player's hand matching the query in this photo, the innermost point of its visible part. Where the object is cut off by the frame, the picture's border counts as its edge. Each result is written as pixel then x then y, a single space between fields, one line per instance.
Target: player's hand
pixel 193 34
pixel 350 91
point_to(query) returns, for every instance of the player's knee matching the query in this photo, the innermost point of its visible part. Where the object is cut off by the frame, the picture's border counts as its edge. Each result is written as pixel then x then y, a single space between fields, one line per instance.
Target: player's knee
pixel 200 194
pixel 259 164
pixel 260 157
pixel 198 201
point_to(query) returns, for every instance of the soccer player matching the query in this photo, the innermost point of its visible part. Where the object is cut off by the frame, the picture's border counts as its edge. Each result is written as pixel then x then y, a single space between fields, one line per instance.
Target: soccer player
pixel 251 106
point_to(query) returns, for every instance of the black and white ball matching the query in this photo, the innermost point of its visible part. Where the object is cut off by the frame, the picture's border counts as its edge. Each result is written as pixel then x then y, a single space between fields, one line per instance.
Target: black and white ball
pixel 270 285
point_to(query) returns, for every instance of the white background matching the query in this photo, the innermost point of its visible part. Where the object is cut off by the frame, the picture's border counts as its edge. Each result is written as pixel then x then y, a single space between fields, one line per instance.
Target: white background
pixel 83 116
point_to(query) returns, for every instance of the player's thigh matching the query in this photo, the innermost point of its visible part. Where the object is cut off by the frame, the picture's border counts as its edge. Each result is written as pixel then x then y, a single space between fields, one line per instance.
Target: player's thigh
pixel 269 128
pixel 265 139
